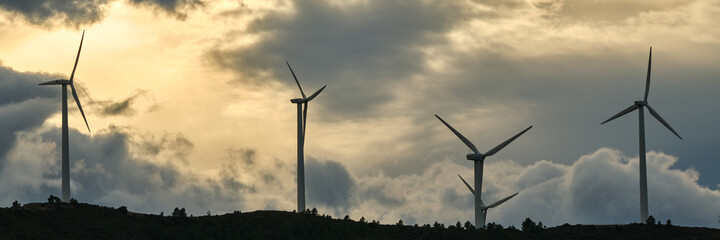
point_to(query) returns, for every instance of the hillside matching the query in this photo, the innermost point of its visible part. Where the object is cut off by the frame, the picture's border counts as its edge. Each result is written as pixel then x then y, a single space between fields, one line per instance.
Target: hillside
pixel 85 221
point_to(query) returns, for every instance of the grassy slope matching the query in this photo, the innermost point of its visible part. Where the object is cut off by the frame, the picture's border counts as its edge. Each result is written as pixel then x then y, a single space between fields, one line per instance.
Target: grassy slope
pixel 84 221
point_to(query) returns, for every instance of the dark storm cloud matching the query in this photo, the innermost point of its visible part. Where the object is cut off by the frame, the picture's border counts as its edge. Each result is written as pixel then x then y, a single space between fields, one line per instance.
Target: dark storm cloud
pixel 107 168
pixel 23 104
pixel 21 86
pixel 328 183
pixel 50 13
pixel 360 52
pixel 568 105
pixel 175 8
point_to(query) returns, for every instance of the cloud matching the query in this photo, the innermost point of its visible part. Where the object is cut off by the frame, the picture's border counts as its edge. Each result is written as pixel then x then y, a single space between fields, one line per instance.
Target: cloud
pixel 360 50
pixel 598 188
pixel 494 72
pixel 113 167
pixel 328 183
pixel 23 104
pixel 124 107
pixel 175 8
pixel 146 172
pixel 606 10
pixel 50 12
pixel 74 14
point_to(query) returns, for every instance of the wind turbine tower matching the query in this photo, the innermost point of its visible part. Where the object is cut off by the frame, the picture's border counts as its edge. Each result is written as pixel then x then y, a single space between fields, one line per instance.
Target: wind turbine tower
pixel 484 208
pixel 65 147
pixel 639 105
pixel 479 158
pixel 302 106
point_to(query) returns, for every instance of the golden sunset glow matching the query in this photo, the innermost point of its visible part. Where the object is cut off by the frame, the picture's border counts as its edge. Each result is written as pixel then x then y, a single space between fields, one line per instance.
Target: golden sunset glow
pixel 201 104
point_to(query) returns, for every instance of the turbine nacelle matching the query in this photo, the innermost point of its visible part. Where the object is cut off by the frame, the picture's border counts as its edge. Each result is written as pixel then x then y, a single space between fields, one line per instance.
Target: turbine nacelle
pixel 640 103
pixel 475 157
pixel 298 100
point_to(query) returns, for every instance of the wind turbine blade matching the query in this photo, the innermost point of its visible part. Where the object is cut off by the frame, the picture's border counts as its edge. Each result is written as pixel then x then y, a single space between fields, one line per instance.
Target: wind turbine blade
pixel 305 107
pixel 647 82
pixel 502 145
pixel 77 100
pixel 657 116
pixel 55 82
pixel 623 112
pixel 315 94
pixel 72 75
pixel 468 185
pixel 501 201
pixel 465 140
pixel 296 80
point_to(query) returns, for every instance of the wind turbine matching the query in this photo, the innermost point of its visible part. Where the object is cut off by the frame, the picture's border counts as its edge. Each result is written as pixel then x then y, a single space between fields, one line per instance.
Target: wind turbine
pixel 65 147
pixel 484 208
pixel 479 158
pixel 301 124
pixel 643 171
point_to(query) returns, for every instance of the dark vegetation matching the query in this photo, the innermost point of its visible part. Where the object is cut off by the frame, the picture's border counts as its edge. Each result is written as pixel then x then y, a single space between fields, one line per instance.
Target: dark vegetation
pixel 58 220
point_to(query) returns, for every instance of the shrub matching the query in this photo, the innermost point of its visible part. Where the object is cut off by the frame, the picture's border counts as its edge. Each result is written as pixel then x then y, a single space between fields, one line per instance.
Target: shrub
pixel 73 201
pixel 346 218
pixel 650 220
pixel 53 199
pixel 668 222
pixel 362 219
pixel 399 223
pixel 16 204
pixel 123 209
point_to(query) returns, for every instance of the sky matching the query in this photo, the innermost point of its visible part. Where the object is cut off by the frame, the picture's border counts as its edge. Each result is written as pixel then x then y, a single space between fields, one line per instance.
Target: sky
pixel 188 106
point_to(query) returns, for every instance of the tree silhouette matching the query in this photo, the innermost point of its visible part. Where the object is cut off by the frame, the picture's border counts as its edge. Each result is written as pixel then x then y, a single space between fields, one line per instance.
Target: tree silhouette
pixel 528 225
pixel 16 204
pixel 400 223
pixel 179 212
pixel 468 225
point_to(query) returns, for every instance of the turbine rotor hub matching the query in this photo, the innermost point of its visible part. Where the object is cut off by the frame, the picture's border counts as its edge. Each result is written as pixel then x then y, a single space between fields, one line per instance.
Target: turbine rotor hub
pixel 640 103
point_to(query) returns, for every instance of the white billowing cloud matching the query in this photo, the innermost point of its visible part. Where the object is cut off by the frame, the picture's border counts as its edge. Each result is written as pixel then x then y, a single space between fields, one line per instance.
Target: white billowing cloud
pixel 598 188
pixel 114 167
pixel 143 171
